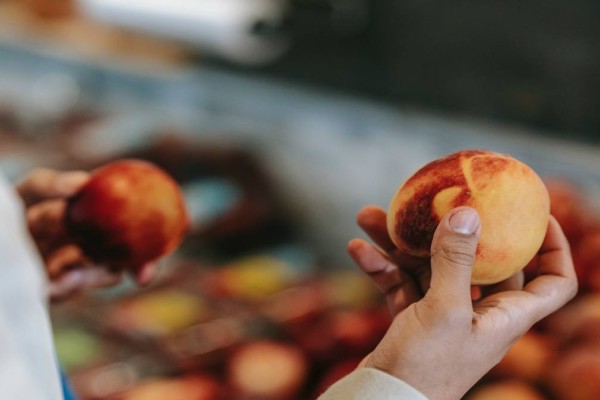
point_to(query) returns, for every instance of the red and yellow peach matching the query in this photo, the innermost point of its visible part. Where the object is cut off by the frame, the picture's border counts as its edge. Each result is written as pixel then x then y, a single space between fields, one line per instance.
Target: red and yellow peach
pixel 129 213
pixel 511 199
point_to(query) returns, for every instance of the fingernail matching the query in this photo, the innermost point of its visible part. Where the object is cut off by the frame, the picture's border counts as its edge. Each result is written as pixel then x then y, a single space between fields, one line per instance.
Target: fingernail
pixel 74 278
pixel 464 222
pixel 146 274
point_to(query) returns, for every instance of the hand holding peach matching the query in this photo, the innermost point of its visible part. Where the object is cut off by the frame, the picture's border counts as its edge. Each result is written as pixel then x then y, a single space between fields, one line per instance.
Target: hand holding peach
pixel 130 213
pixel 441 342
pixel 71 268
pixel 44 193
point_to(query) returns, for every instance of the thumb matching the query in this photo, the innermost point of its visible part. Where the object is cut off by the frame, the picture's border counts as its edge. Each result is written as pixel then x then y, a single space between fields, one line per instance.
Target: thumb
pixel 453 253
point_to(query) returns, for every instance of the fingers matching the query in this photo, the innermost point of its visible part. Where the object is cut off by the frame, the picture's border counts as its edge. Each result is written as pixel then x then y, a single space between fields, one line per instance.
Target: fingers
pixel 65 258
pixel 372 220
pixel 44 192
pixel 556 282
pixel 66 286
pixel 77 276
pixel 452 256
pixel 146 274
pixel 47 227
pixel 515 282
pixel 398 286
pixel 45 184
pixel 554 286
pixel 80 279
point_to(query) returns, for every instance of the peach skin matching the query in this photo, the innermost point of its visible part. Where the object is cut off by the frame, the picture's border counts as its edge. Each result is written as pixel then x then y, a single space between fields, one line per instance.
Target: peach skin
pixel 511 199
pixel 130 212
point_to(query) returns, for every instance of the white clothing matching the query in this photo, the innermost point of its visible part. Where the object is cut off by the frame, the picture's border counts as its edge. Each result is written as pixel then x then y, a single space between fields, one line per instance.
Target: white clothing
pixel 28 364
pixel 371 384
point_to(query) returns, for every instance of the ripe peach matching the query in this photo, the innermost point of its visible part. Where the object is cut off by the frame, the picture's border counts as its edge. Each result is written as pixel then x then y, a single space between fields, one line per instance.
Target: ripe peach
pixel 129 213
pixel 511 199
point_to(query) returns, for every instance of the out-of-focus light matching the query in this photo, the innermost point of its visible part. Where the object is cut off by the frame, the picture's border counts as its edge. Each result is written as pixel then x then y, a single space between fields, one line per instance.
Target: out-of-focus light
pixel 54 93
pixel 244 31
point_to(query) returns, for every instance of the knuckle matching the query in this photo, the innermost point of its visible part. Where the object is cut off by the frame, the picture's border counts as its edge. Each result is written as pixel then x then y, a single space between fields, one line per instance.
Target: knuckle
pixel 40 174
pixel 447 316
pixel 572 287
pixel 568 288
pixel 34 180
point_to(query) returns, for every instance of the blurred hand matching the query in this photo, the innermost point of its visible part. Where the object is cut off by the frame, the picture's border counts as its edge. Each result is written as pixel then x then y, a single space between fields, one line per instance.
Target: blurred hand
pixel 441 341
pixel 44 193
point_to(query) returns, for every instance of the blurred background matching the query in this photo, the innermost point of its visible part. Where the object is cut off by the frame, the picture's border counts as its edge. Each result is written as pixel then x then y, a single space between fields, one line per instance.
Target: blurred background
pixel 280 119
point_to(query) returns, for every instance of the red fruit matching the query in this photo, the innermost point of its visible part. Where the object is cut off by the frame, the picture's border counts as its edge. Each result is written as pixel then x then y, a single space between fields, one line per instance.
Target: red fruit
pixel 575 375
pixel 506 390
pixel 267 370
pixel 527 359
pixel 586 253
pixel 568 207
pixel 511 199
pixel 578 322
pixel 128 214
pixel 194 387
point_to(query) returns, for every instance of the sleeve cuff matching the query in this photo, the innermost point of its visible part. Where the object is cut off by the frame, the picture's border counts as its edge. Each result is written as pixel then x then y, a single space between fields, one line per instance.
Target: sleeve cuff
pixel 371 384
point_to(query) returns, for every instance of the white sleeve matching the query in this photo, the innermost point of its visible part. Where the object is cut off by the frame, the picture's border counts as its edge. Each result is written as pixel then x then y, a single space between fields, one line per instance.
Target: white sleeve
pixel 371 384
pixel 28 365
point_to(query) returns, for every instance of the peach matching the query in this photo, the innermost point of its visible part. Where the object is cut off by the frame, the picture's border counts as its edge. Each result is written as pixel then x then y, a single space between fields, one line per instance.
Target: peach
pixel 194 387
pixel 129 213
pixel 577 322
pixel 513 390
pixel 586 256
pixel 569 207
pixel 267 370
pixel 527 358
pixel 575 375
pixel 511 199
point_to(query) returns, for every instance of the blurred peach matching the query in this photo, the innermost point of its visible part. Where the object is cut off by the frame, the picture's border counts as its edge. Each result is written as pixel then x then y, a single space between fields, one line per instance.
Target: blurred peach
pixel 267 370
pixel 567 205
pixel 577 322
pixel 575 375
pixel 526 359
pixel 198 387
pixel 586 254
pixel 505 390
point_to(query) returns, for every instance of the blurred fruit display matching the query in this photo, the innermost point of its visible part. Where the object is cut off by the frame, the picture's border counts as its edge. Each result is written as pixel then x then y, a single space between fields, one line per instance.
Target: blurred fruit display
pixel 254 327
pixel 288 337
pixel 232 319
pixel 559 359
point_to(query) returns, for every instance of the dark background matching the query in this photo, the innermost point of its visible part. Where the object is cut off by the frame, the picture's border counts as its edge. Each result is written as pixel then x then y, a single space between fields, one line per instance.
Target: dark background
pixel 530 62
